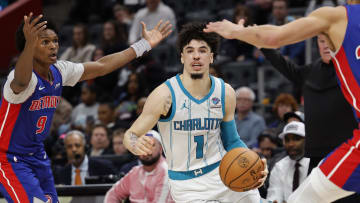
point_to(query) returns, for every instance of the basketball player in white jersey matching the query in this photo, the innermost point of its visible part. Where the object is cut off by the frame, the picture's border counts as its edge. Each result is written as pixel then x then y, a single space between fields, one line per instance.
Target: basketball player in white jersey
pixel 195 116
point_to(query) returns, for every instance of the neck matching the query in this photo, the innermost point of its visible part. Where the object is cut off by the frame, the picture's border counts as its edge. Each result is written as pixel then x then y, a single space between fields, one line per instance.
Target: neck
pixel 151 167
pixel 242 115
pixel 197 88
pixel 42 69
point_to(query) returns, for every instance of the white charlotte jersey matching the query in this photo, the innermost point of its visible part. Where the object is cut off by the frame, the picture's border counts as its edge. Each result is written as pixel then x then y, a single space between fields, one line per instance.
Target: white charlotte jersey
pixel 191 134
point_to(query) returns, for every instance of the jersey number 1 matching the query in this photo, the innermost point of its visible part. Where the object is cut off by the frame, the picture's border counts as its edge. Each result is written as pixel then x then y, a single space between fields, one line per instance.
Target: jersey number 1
pixel 40 124
pixel 199 146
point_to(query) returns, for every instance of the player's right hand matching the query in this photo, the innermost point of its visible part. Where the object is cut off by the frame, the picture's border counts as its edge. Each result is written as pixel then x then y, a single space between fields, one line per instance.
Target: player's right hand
pixel 32 29
pixel 143 146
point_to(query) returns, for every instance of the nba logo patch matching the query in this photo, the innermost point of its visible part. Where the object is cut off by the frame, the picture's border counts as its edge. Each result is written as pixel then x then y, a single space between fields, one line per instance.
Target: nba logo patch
pixel 215 103
pixel 215 100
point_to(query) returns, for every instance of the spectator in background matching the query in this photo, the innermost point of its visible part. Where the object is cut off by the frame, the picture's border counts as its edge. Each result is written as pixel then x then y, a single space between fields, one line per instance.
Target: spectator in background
pixel 233 48
pixel 80 165
pixel 87 108
pixel 267 145
pixel 294 116
pixel 155 10
pixel 60 124
pixel 106 115
pixel 283 103
pixel 81 50
pixel 123 16
pixel 249 124
pixel 145 183
pixel 100 141
pixel 113 38
pixel 279 17
pixel 261 10
pixel 292 170
pixel 127 160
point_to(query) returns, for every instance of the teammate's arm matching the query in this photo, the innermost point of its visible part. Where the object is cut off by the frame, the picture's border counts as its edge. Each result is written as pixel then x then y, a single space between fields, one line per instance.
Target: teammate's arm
pixel 24 66
pixel 271 36
pixel 158 103
pixel 112 62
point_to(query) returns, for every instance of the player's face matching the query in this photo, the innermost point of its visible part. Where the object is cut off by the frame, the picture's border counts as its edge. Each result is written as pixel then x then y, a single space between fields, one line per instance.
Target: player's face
pixel 196 57
pixel 324 48
pixel 47 47
pixel 75 149
pixel 295 146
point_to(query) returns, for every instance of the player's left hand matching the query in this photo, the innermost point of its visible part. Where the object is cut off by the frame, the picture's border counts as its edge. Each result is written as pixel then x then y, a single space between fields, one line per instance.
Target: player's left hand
pixel 225 28
pixel 156 35
pixel 264 174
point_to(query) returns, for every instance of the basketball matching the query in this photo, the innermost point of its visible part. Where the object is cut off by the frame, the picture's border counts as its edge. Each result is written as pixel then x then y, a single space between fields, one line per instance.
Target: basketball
pixel 240 169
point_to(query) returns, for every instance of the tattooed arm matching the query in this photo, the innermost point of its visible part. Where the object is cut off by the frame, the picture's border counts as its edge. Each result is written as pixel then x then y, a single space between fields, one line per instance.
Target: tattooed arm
pixel 158 103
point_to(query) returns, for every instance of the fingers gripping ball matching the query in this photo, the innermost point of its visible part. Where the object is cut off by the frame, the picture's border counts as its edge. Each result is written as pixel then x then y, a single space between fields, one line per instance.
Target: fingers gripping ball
pixel 240 169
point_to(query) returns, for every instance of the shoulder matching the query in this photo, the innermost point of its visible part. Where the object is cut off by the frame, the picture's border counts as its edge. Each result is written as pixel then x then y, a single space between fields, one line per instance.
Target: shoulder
pixel 165 8
pixel 229 91
pixel 330 13
pixel 141 13
pixel 161 92
pixel 61 65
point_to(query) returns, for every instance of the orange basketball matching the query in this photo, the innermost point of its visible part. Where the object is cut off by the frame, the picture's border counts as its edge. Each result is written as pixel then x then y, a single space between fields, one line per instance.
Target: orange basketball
pixel 240 169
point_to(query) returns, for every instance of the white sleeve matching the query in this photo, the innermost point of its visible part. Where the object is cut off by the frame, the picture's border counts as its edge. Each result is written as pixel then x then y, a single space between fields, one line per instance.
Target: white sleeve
pixel 275 191
pixel 70 72
pixel 21 97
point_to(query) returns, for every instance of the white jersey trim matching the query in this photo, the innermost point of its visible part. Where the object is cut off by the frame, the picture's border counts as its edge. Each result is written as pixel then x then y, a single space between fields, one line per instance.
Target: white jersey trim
pixel 21 97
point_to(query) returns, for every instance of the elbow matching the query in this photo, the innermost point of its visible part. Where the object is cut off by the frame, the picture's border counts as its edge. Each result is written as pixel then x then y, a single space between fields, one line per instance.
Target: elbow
pixel 272 42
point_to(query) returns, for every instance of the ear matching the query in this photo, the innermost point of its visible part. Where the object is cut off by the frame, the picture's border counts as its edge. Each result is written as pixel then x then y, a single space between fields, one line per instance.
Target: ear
pixel 181 58
pixel 212 58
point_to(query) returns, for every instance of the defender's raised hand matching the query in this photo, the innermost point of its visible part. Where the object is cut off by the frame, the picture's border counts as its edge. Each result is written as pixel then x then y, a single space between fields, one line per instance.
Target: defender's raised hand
pixel 32 29
pixel 156 35
pixel 224 28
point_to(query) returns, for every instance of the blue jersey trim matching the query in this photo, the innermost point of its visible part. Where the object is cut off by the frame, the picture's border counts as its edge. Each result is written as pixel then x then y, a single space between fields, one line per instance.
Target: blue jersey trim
pixel 185 175
pixel 173 103
pixel 222 96
pixel 191 97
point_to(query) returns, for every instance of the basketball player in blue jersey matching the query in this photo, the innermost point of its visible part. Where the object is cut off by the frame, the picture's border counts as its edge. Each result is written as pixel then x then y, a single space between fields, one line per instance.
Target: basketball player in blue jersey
pixel 194 112
pixel 32 92
pixel 338 175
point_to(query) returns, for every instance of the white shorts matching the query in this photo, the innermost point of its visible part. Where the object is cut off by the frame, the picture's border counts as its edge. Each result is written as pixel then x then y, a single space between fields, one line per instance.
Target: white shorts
pixel 209 188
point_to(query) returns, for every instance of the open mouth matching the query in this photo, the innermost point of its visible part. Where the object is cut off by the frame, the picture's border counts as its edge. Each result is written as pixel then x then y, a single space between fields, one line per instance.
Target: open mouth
pixel 196 66
pixel 53 56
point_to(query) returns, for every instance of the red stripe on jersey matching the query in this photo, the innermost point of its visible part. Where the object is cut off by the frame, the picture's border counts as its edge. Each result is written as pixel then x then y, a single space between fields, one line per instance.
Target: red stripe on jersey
pixel 349 85
pixel 331 161
pixel 10 182
pixel 8 116
pixel 345 170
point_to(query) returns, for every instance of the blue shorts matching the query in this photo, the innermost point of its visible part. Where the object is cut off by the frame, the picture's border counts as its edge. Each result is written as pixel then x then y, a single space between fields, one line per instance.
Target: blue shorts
pixel 24 178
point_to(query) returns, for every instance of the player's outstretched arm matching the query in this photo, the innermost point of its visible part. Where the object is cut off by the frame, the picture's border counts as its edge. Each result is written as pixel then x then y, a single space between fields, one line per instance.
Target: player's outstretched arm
pixel 158 103
pixel 112 62
pixel 24 66
pixel 271 36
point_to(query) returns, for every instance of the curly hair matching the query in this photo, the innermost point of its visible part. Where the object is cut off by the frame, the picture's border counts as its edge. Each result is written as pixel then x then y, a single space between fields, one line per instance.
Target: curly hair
pixel 20 37
pixel 286 99
pixel 194 30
